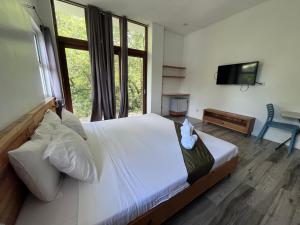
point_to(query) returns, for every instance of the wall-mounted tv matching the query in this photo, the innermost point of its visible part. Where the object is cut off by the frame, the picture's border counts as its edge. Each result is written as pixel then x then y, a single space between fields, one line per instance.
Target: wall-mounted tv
pixel 242 73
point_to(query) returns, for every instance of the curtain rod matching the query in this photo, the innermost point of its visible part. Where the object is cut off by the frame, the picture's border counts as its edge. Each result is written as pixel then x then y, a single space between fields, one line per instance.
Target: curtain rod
pixel 84 6
pixel 34 9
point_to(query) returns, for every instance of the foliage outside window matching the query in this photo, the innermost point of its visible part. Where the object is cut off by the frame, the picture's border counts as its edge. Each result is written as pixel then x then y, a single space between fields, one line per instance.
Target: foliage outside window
pixel 135 85
pixel 116 31
pixel 136 36
pixel 70 21
pixel 78 63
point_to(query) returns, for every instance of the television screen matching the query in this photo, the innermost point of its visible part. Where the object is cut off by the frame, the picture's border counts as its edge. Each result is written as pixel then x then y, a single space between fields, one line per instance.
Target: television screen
pixel 242 73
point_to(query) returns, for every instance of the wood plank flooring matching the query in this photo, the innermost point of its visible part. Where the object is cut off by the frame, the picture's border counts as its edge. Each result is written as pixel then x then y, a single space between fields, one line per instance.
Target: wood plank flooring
pixel 264 190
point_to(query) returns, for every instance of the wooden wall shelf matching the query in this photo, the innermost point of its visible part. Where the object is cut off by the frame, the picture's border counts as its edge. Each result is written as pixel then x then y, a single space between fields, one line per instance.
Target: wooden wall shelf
pixel 239 123
pixel 174 67
pixel 173 72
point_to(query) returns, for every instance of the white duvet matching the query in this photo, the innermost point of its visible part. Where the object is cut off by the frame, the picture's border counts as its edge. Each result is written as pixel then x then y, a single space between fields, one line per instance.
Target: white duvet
pixel 140 165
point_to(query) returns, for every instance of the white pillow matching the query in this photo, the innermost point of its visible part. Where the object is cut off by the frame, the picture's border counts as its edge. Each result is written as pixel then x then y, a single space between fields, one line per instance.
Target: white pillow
pixel 46 128
pixel 51 118
pixel 43 131
pixel 71 121
pixel 41 178
pixel 70 154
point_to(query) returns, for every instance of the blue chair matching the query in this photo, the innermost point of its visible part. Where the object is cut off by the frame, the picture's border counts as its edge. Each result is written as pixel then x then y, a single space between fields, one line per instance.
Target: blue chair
pixel 294 129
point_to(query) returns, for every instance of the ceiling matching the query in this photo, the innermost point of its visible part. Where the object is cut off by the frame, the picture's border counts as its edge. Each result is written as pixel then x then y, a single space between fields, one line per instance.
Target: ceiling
pixel 181 16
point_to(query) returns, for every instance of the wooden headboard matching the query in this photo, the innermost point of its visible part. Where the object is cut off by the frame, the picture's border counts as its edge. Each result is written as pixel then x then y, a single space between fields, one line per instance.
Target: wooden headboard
pixel 12 190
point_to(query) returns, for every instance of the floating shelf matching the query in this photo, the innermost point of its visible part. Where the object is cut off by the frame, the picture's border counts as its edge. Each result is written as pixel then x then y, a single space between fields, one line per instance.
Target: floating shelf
pixel 175 94
pixel 180 77
pixel 174 67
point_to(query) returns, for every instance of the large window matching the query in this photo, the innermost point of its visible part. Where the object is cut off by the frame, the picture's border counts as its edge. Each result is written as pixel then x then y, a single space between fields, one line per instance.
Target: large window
pixel 137 65
pixel 74 58
pixel 75 64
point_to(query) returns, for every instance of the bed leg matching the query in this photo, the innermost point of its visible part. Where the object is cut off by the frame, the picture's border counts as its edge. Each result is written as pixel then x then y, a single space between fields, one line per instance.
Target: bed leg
pixel 229 175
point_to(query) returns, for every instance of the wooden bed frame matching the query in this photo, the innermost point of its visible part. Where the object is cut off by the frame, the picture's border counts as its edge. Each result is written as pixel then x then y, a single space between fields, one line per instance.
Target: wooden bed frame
pixel 13 191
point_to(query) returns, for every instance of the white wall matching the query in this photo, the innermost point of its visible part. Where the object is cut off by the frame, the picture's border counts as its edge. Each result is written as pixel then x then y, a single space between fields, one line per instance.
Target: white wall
pixel 269 33
pixel 20 82
pixel 173 55
pixel 155 62
pixel 44 10
pixel 173 48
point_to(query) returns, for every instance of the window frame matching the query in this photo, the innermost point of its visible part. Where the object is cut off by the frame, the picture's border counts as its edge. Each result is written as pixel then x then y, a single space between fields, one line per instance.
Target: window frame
pixel 42 59
pixel 63 43
pixel 66 42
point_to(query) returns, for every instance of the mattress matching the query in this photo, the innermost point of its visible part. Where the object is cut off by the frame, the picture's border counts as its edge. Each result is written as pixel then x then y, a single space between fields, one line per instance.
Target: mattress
pixel 135 169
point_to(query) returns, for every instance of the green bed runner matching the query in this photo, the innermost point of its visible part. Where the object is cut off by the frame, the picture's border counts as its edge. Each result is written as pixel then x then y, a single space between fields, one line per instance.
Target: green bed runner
pixel 198 161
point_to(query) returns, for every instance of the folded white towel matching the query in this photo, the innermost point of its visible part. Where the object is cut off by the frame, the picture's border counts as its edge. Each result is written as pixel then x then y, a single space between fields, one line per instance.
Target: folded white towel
pixel 186 131
pixel 186 122
pixel 188 140
pixel 186 128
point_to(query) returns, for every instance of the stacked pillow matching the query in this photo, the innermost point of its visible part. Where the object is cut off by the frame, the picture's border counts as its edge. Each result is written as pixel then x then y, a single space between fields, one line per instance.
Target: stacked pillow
pixel 70 120
pixel 70 154
pixel 56 146
pixel 46 128
pixel 41 178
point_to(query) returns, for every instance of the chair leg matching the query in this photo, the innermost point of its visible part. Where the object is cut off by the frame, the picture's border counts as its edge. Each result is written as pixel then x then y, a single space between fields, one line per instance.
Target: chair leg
pixel 292 142
pixel 262 132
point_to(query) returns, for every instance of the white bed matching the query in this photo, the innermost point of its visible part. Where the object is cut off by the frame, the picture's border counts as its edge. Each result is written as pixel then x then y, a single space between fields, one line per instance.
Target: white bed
pixel 140 164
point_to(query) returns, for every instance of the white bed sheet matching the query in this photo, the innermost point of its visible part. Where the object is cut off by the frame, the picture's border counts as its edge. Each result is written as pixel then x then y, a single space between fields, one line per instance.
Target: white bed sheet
pixel 129 185
pixel 62 211
pixel 221 150
pixel 142 166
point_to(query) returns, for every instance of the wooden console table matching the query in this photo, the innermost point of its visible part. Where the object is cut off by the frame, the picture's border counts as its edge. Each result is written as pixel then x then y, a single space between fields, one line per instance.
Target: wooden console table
pixel 239 123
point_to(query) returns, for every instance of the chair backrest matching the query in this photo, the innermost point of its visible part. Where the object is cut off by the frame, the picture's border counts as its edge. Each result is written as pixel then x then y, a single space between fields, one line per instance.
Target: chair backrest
pixel 270 109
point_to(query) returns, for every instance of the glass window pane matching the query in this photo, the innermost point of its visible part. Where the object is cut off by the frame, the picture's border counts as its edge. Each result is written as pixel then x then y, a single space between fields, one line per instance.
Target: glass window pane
pixel 117 82
pixel 70 20
pixel 116 31
pixel 78 63
pixel 43 66
pixel 136 36
pixel 135 85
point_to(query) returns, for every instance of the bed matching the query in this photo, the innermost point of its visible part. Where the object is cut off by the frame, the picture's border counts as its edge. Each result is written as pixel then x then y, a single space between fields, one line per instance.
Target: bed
pixel 131 190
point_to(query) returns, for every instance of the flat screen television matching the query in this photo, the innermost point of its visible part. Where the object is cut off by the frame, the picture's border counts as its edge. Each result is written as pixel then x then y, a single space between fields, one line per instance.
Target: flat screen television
pixel 242 73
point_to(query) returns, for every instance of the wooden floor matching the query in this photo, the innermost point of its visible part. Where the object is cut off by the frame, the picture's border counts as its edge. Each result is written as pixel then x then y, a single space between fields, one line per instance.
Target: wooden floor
pixel 264 190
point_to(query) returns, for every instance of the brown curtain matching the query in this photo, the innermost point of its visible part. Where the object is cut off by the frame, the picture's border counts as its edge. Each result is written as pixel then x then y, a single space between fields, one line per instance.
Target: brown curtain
pixel 124 69
pixel 100 39
pixel 54 76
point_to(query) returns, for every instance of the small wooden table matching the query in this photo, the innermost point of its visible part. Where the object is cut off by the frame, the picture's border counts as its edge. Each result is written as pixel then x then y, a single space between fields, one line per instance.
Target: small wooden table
pixel 290 115
pixel 236 122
